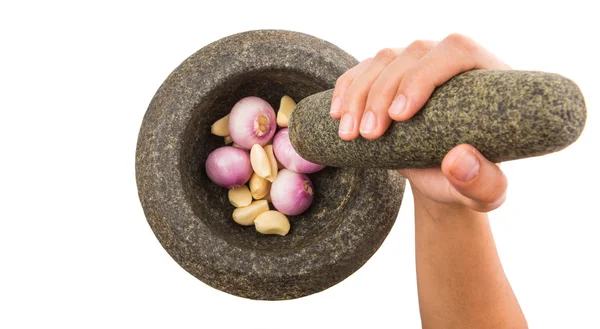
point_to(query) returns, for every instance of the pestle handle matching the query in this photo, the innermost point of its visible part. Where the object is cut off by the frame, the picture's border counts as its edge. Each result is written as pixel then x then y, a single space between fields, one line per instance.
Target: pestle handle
pixel 506 115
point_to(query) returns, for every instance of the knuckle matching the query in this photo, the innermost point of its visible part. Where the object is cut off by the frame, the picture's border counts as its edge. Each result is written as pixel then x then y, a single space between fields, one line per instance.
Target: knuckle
pixel 385 54
pixel 342 80
pixel 456 38
pixel 419 47
pixel 363 66
pixel 413 76
pixel 461 42
pixel 366 61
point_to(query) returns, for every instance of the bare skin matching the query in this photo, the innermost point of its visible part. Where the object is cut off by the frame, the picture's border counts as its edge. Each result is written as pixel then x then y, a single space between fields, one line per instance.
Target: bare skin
pixel 460 279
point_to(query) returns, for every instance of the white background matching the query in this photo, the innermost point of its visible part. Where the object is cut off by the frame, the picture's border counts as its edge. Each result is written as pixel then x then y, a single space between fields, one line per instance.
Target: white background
pixel 76 79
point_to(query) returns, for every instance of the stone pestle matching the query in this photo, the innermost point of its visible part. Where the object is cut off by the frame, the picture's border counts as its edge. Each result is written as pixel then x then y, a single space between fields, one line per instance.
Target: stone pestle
pixel 506 115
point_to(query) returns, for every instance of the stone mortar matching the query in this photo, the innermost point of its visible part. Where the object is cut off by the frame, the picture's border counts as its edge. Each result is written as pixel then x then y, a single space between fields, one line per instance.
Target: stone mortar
pixel 353 211
pixel 506 115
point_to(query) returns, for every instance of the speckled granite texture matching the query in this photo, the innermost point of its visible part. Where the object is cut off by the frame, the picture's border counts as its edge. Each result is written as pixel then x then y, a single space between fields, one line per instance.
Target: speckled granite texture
pixel 353 211
pixel 507 115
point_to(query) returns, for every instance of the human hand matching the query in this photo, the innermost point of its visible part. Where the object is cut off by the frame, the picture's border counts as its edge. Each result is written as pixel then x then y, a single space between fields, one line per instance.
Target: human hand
pixel 394 85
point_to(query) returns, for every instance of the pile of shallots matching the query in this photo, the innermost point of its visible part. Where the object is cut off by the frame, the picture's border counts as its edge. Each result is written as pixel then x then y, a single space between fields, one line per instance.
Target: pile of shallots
pixel 263 157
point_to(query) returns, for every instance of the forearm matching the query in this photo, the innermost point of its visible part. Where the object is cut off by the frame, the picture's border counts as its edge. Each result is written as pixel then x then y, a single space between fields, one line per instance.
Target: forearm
pixel 461 282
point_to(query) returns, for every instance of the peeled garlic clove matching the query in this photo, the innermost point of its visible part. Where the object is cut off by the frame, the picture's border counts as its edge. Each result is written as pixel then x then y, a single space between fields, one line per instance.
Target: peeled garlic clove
pixel 260 161
pixel 259 187
pixel 221 127
pixel 272 222
pixel 246 215
pixel 286 106
pixel 240 197
pixel 228 140
pixel 272 163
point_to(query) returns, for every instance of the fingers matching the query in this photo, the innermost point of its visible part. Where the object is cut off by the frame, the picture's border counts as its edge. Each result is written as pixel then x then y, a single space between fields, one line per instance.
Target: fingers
pixel 376 120
pixel 478 183
pixel 453 55
pixel 355 97
pixel 396 83
pixel 342 84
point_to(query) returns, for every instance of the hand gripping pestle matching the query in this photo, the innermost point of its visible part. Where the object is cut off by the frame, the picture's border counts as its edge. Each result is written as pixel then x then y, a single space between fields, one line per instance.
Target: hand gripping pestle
pixel 506 115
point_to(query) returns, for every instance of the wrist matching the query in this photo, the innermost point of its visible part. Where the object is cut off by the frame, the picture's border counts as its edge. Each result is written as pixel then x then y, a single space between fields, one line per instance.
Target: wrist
pixel 440 213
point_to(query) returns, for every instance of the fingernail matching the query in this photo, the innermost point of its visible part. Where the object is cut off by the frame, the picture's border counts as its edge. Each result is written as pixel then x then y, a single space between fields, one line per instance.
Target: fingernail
pixel 336 105
pixel 398 105
pixel 465 167
pixel 346 124
pixel 367 125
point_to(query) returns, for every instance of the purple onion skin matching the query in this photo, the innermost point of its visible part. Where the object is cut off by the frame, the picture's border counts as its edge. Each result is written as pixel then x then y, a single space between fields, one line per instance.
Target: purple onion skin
pixel 229 167
pixel 289 158
pixel 243 125
pixel 291 192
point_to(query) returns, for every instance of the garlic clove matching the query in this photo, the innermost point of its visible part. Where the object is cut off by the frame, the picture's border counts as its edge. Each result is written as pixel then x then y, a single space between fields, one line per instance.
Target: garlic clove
pixel 221 127
pixel 272 163
pixel 240 197
pixel 228 140
pixel 246 215
pixel 286 106
pixel 259 187
pixel 260 161
pixel 272 222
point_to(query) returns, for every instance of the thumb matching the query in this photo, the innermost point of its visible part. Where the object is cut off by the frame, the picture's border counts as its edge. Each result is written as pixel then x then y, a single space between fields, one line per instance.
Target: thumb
pixel 479 183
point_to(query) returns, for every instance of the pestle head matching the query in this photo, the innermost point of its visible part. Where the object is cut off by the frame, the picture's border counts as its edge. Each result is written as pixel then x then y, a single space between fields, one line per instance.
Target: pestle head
pixel 506 115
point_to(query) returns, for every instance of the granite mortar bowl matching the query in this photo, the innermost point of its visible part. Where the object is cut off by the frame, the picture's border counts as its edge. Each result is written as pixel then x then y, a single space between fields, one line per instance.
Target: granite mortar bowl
pixel 353 209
